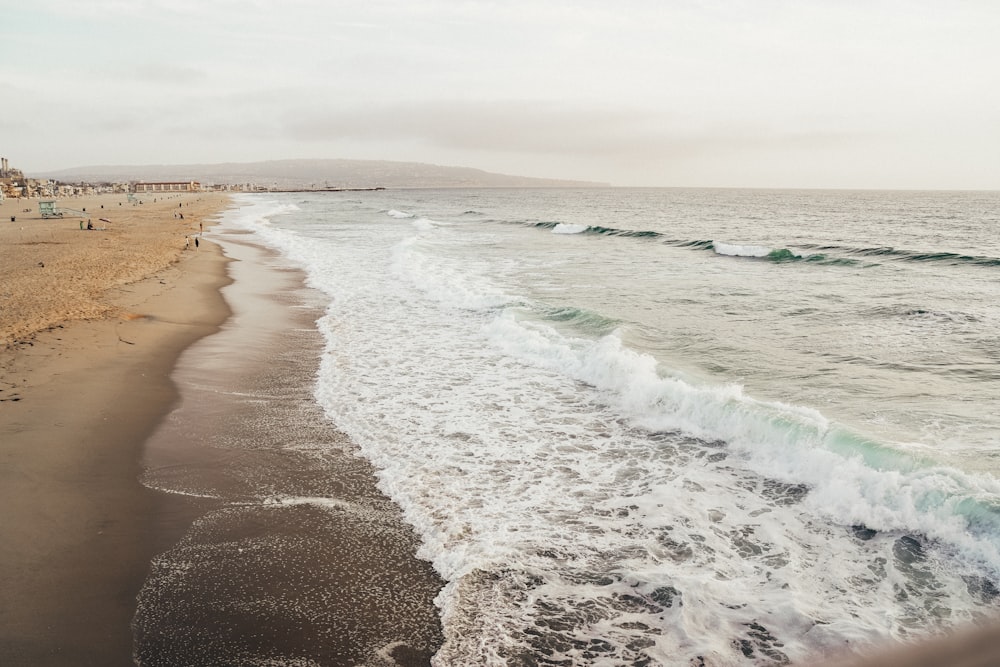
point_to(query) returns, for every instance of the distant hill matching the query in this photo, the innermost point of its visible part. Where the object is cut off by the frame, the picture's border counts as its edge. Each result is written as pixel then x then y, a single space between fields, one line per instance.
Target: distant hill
pixel 312 174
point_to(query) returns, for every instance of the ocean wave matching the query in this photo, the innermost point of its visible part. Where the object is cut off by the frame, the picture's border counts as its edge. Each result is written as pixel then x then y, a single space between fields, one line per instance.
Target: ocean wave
pixel 734 250
pixel 581 319
pixel 597 230
pixel 921 314
pixel 697 244
pixel 779 254
pixel 562 481
pixel 625 233
pixel 889 252
pixel 563 228
pixel 852 480
pixel 949 258
pixel 251 211
pixel 721 248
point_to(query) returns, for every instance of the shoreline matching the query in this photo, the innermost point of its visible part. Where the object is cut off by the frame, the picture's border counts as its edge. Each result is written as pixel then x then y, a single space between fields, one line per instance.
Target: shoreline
pixel 80 398
pixel 98 419
pixel 301 559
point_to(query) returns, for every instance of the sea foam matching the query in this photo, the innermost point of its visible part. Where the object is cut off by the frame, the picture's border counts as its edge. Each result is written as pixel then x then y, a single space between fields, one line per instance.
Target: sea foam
pixel 569 487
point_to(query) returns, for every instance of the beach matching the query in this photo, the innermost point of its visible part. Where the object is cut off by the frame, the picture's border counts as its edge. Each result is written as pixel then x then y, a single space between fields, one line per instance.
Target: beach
pixel 56 270
pixel 93 323
pixel 488 427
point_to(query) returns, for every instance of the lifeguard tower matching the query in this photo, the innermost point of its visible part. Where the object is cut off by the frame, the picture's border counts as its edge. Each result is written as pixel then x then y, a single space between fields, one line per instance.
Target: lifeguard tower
pixel 48 209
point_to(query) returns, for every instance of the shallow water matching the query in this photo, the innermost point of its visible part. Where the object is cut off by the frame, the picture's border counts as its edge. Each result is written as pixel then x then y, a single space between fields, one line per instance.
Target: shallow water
pixel 669 426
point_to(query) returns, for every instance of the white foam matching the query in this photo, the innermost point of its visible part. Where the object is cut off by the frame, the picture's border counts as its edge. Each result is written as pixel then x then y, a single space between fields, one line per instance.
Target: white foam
pixel 790 443
pixel 447 283
pixel 565 228
pixel 319 501
pixel 734 250
pixel 423 224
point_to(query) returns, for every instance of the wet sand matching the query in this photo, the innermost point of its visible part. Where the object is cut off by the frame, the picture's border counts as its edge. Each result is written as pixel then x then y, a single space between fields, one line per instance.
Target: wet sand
pixel 285 549
pixel 303 560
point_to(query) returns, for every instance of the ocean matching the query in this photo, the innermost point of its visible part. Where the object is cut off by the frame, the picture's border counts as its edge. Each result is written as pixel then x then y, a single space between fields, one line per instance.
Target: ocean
pixel 669 426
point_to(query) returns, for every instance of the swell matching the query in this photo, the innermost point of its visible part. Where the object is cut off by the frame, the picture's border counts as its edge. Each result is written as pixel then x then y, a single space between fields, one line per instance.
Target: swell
pixel 826 254
pixel 912 255
pixel 851 479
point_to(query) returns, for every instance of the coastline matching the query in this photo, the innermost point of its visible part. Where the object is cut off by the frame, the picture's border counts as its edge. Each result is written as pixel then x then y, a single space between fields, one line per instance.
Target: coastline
pixel 272 542
pixel 98 418
pixel 79 398
pixel 300 559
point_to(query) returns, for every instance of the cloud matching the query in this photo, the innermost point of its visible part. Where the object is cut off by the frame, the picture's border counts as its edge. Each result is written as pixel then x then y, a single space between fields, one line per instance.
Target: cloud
pixel 165 73
pixel 544 128
pixel 708 92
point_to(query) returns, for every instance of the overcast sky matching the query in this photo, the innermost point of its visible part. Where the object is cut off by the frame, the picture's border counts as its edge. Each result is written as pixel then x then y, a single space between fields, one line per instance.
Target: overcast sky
pixel 757 93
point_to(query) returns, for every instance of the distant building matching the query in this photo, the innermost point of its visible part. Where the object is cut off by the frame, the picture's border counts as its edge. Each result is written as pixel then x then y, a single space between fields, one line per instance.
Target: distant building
pixel 11 180
pixel 172 186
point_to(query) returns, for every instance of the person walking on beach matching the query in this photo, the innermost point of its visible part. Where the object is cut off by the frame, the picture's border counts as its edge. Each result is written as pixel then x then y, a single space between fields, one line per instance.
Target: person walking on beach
pixel 196 242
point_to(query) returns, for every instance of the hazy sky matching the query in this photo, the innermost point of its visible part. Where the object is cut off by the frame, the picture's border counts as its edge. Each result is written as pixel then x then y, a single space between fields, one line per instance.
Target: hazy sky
pixel 769 93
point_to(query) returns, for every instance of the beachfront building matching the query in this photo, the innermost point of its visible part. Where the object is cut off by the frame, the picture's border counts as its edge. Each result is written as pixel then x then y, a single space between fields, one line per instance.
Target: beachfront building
pixel 9 188
pixel 11 180
pixel 168 186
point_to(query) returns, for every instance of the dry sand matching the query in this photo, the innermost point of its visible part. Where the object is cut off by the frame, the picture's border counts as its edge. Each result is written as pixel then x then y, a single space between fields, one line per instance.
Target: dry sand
pixel 52 271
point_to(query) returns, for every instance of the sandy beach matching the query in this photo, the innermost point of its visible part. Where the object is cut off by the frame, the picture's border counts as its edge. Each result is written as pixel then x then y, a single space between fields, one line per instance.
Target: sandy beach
pixel 93 324
pixel 55 270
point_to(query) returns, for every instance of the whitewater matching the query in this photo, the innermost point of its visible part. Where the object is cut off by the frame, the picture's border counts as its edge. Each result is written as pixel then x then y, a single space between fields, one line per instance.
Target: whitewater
pixel 669 427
